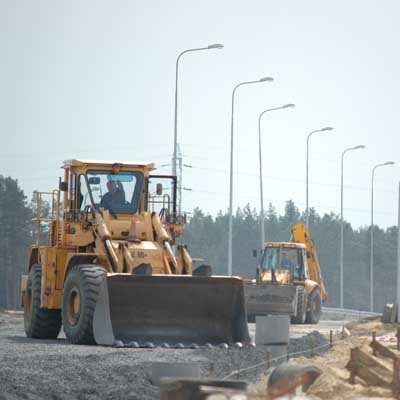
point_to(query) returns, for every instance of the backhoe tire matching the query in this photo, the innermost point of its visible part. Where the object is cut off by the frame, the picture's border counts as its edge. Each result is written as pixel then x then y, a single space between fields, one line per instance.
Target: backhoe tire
pixel 301 311
pixel 314 307
pixel 39 323
pixel 80 293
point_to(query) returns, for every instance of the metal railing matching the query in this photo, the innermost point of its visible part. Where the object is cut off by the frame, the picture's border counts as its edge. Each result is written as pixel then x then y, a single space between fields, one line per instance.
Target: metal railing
pixel 345 312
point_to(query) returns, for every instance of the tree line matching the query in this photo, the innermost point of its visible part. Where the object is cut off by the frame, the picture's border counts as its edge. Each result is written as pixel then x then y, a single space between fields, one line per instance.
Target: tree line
pixel 207 238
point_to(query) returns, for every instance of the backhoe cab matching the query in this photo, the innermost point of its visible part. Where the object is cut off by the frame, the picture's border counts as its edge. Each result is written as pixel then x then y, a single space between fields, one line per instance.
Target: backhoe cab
pixel 109 271
pixel 296 263
pixel 284 262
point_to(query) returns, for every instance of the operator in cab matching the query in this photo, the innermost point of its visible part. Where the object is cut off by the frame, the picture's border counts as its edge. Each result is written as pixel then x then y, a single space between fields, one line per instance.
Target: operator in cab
pixel 114 197
pixel 286 262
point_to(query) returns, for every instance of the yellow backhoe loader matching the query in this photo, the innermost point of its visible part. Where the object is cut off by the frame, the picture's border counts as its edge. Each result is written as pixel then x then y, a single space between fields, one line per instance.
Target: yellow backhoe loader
pixel 110 271
pixel 295 262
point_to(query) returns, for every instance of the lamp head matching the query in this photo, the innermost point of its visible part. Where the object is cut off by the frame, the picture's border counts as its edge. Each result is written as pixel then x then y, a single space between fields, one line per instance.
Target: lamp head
pixel 389 163
pixel 290 105
pixel 327 128
pixel 215 46
pixel 360 146
pixel 266 79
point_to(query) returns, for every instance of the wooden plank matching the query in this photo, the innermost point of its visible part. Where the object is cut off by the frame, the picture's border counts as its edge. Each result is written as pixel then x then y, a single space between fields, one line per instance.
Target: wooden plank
pixel 368 369
pixel 383 350
pixel 370 362
pixel 396 378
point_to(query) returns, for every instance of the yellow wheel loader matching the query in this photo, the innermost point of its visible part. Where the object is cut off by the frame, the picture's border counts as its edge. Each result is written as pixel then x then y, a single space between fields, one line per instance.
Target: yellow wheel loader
pixel 295 263
pixel 107 268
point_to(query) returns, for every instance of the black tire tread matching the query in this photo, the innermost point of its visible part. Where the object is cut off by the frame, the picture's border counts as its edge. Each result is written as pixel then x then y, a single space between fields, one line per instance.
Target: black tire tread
pixel 90 278
pixel 43 323
pixel 311 317
pixel 299 318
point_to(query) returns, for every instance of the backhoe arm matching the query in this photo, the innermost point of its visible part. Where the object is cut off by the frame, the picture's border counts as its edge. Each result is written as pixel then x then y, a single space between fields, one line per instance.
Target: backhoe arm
pixel 300 234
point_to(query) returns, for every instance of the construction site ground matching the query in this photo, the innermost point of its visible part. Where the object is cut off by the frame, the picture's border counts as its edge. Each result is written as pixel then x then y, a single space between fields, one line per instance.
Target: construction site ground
pixel 55 369
pixel 333 383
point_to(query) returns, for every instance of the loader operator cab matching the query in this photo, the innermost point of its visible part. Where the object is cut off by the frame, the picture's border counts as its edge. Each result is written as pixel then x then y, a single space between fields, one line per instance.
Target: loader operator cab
pixel 120 188
pixel 285 258
pixel 118 193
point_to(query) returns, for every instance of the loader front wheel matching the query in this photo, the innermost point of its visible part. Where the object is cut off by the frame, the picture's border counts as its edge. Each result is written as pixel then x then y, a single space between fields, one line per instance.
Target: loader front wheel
pixel 301 310
pixel 39 323
pixel 314 308
pixel 81 289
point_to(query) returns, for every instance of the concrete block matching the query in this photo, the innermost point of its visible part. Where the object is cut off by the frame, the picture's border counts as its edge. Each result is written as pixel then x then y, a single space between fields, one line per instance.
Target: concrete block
pixel 278 352
pixel 275 354
pixel 272 329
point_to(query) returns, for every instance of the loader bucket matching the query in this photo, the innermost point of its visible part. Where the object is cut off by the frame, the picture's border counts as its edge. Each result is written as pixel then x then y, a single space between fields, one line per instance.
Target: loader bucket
pixel 170 310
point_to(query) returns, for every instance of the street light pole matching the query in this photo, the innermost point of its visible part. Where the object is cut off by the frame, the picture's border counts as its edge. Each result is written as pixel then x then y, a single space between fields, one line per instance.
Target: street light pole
pixel 361 146
pixel 371 263
pixel 266 79
pixel 211 46
pixel 179 191
pixel 260 162
pixel 328 128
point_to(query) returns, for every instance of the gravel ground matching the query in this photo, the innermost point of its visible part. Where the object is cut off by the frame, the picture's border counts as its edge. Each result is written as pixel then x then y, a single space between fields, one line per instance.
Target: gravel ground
pixel 55 369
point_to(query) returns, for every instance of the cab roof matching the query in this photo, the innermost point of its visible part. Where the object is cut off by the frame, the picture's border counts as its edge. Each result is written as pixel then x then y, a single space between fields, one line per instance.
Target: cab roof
pixel 286 244
pixel 104 163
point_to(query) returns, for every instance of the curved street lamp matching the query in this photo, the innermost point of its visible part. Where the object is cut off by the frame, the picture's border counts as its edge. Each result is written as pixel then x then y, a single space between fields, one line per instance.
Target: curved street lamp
pixel 290 105
pixel 209 47
pixel 361 146
pixel 265 79
pixel 371 264
pixel 326 129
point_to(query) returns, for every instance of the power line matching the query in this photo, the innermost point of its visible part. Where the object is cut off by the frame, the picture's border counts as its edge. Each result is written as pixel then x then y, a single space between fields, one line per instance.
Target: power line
pixel 273 178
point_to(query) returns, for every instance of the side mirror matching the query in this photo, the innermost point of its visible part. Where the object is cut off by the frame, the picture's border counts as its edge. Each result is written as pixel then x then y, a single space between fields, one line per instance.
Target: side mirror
pixel 62 186
pixel 255 252
pixel 159 189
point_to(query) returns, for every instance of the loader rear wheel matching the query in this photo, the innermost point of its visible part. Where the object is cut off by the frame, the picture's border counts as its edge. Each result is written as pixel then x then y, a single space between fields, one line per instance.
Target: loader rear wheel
pixel 81 289
pixel 39 323
pixel 301 311
pixel 314 308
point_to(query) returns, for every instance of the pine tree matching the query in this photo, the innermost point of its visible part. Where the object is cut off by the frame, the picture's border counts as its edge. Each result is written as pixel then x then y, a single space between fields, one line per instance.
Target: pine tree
pixel 15 231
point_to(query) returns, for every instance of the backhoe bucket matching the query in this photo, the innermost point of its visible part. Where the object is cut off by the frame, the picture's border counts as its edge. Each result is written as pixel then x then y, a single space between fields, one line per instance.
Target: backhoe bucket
pixel 175 311
pixel 266 298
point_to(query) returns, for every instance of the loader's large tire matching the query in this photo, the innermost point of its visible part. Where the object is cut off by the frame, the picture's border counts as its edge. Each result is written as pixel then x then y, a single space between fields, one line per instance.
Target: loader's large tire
pixel 39 323
pixel 81 289
pixel 314 307
pixel 300 316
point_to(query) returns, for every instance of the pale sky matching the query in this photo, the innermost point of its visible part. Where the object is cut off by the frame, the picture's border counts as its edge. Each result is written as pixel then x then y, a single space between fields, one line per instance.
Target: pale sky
pixel 96 79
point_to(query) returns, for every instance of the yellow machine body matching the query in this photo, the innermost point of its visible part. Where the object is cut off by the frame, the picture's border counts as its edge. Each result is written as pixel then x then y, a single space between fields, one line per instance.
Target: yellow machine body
pixel 126 254
pixel 296 262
